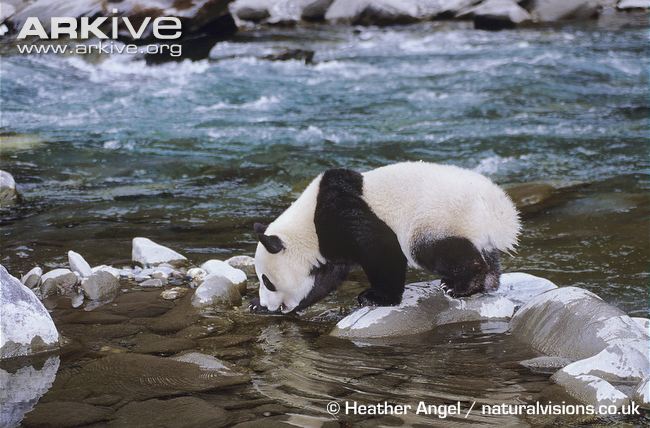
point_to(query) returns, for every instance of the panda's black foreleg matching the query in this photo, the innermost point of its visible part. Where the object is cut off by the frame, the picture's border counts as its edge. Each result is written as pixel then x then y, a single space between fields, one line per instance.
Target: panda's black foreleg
pixel 385 266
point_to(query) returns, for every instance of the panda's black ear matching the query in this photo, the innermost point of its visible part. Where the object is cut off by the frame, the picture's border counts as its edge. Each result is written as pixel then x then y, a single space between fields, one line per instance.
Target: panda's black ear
pixel 259 228
pixel 272 243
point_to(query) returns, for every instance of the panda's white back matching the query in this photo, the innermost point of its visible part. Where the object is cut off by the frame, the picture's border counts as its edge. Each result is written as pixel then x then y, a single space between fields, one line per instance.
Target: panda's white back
pixel 426 200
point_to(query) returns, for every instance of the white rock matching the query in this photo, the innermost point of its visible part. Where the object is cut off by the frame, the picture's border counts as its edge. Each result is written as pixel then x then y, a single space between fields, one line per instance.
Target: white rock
pixel 140 277
pixel 641 394
pixel 498 14
pixel 217 267
pixel 590 389
pixel 152 283
pixel 79 264
pixel 556 10
pixel 619 362
pixel 424 307
pixel 162 276
pixel 374 12
pixel 101 285
pixel 25 325
pixel 522 287
pixel 173 293
pixel 148 253
pixel 22 388
pixel 62 280
pixel 8 193
pixel 197 274
pixel 32 279
pixel 315 10
pixel 207 362
pixel 216 290
pixel 6 10
pixel 243 263
pixel 633 4
pixel 117 273
pixel 644 323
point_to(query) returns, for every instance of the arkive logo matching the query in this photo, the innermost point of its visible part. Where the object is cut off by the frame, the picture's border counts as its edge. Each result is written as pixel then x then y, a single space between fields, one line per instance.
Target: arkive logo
pixel 83 28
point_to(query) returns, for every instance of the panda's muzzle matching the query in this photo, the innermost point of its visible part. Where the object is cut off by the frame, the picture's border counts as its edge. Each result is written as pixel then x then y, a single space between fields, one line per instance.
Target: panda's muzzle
pixel 256 307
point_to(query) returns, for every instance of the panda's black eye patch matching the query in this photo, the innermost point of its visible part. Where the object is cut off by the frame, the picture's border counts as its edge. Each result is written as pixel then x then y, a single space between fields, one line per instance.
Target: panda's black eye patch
pixel 267 283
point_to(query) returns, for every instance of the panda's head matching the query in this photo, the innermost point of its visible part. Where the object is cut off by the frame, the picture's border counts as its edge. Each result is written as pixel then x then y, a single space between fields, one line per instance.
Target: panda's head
pixel 286 276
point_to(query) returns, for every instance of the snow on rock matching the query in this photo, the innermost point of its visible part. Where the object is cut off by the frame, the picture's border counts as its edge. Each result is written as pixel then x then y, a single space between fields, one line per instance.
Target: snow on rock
pixel 32 279
pixel 26 327
pixel 148 253
pixel 243 263
pixel 22 388
pixel 216 290
pixel 217 267
pixel 101 285
pixel 61 280
pixel 79 264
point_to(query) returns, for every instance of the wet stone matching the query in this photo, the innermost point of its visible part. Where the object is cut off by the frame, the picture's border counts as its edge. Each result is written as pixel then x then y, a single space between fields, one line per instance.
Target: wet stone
pixel 160 345
pixel 66 414
pixel 182 411
pixel 100 285
pixel 182 315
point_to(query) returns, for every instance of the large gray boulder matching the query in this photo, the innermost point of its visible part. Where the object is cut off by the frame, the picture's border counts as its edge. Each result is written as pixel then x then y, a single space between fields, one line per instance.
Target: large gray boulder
pixel 607 349
pixel 498 15
pixel 216 291
pixel 101 286
pixel 22 388
pixel 217 267
pixel 148 253
pixel 315 10
pixel 373 12
pixel 425 306
pixel 60 281
pixel 26 327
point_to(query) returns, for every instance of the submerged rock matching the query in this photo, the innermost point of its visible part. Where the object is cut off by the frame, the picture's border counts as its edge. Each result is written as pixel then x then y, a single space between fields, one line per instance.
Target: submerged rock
pixel 32 279
pixel 22 388
pixel 79 264
pixel 545 364
pixel 216 290
pixel 425 306
pixel 292 54
pixel 148 253
pixel 64 414
pixel 181 411
pixel 100 285
pixel 152 283
pixel 26 327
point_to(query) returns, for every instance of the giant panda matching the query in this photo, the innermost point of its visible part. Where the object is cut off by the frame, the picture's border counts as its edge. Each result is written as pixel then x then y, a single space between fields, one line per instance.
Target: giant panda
pixel 450 221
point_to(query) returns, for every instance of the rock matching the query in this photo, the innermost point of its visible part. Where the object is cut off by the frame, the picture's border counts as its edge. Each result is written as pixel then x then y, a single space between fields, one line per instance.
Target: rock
pixel 545 364
pixel 78 264
pixel 243 263
pixel 197 274
pixel 572 323
pixel 181 411
pixel 148 253
pixel 66 414
pixel 557 10
pixel 147 343
pixel 6 10
pixel 216 290
pixel 8 193
pixel 424 307
pixel 217 267
pixel 251 10
pixel 117 273
pixel 139 377
pixel 292 54
pixel 521 287
pixel 32 279
pixel 590 390
pixel 315 10
pixel 498 15
pixel 61 280
pixel 26 327
pixel 100 285
pixel 644 323
pixel 641 394
pixel 22 388
pixel 373 12
pixel 151 283
pixel 608 349
pixel 207 362
pixel 633 4
pixel 173 293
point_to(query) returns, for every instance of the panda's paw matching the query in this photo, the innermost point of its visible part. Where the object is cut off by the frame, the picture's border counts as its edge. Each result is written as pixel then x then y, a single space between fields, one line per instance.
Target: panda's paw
pixel 256 307
pixel 372 298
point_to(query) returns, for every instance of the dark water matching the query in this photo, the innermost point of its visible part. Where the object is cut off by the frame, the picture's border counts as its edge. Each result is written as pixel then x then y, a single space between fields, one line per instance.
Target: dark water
pixel 191 154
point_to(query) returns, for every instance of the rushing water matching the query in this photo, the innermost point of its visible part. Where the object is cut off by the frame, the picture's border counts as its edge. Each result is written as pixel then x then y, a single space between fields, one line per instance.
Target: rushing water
pixel 191 154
